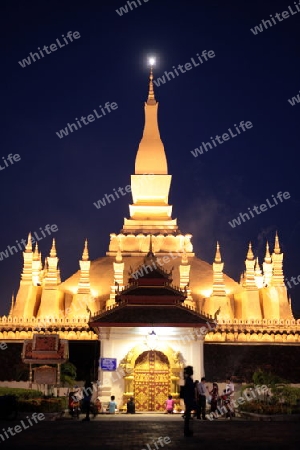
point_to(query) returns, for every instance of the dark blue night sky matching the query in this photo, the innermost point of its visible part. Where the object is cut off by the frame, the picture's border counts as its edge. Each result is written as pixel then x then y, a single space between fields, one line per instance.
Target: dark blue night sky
pixel 56 181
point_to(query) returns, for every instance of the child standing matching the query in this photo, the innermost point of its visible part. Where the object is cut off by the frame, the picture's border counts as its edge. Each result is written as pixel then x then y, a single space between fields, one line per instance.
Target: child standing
pixel 112 405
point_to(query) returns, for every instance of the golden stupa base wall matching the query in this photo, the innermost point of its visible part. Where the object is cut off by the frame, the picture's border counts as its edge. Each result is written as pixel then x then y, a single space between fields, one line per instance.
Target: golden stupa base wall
pixel 260 331
pixel 249 305
pixel 220 303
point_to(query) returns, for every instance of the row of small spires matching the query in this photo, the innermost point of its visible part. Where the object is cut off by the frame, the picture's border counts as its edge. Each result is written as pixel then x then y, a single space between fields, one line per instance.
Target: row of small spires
pixel 250 255
pixel 53 253
pixel 218 259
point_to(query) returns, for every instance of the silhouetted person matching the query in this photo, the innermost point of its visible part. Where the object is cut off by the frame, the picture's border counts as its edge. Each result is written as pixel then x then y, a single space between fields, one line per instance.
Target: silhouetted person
pixel 87 396
pixel 189 398
pixel 131 406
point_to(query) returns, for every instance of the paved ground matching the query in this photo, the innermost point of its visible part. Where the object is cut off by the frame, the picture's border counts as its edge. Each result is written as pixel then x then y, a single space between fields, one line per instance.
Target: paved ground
pixel 141 432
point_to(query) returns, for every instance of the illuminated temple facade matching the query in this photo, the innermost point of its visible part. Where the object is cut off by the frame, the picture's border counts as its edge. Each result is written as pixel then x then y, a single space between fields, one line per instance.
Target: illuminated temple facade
pixel 150 296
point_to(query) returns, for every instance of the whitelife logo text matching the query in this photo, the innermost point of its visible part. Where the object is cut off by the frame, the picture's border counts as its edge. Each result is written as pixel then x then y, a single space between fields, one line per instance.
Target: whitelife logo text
pixel 259 209
pixel 53 47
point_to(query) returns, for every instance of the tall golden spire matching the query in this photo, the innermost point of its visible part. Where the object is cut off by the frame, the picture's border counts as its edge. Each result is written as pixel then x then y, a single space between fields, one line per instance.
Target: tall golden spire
pixel 277 258
pixel 53 249
pixel 28 248
pixel 277 246
pixel 150 184
pixel 26 276
pixel 267 255
pixel 151 157
pixel 12 305
pixel 250 255
pixel 85 254
pixel 249 279
pixel 218 277
pixel 85 264
pixel 36 254
pixel 218 254
pixel 151 98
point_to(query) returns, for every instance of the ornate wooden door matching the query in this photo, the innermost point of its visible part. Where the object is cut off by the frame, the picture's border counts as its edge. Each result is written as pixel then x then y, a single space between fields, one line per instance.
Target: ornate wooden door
pixel 151 381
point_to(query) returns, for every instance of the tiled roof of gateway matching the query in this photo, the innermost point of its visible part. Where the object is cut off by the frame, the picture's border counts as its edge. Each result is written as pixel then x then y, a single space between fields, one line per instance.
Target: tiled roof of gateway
pixel 143 315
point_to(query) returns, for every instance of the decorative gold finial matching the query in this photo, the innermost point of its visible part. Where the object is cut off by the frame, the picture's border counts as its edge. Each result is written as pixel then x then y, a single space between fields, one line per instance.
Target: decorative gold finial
pixel 218 258
pixel 12 304
pixel 257 267
pixel 53 249
pixel 36 255
pixel 267 255
pixel 277 246
pixel 85 254
pixel 28 248
pixel 250 255
pixel 151 98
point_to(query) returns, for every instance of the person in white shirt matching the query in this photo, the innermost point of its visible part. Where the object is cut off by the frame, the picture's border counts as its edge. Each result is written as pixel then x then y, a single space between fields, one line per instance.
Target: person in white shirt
pixel 202 390
pixel 229 388
pixel 229 391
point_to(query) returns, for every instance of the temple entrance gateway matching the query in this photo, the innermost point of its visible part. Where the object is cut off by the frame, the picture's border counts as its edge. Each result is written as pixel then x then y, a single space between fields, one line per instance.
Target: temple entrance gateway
pixel 152 381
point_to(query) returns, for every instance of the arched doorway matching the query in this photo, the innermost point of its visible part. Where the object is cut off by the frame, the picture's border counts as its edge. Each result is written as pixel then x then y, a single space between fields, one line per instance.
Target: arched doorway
pixel 152 381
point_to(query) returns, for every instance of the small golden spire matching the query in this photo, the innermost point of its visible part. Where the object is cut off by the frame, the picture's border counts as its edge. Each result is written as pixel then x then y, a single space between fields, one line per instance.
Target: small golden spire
pixel 28 248
pixel 250 255
pixel 257 268
pixel 277 246
pixel 53 249
pixel 12 304
pixel 85 254
pixel 267 255
pixel 218 258
pixel 151 98
pixel 36 254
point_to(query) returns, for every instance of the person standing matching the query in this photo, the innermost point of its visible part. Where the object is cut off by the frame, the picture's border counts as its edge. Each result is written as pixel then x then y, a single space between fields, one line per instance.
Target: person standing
pixel 131 406
pixel 229 391
pixel 202 389
pixel 214 397
pixel 189 399
pixel 86 403
pixel 229 387
pixel 197 411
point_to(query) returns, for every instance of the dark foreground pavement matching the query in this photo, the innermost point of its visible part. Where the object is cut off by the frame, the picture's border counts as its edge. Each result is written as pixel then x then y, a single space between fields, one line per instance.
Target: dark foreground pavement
pixel 135 432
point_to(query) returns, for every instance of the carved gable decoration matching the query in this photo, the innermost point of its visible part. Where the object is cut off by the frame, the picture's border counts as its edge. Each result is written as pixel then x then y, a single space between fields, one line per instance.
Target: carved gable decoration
pixel 45 349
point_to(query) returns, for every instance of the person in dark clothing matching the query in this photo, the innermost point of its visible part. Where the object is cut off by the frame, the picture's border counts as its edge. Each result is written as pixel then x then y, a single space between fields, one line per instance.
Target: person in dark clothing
pixel 86 403
pixel 197 411
pixel 214 397
pixel 189 399
pixel 131 406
